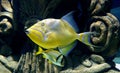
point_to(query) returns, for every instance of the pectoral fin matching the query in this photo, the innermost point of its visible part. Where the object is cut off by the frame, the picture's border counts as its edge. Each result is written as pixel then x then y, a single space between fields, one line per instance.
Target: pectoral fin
pixel 40 50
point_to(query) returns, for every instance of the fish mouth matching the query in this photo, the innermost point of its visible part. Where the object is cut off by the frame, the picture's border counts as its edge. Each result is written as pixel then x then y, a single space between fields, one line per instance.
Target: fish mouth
pixel 36 32
pixel 39 31
pixel 26 31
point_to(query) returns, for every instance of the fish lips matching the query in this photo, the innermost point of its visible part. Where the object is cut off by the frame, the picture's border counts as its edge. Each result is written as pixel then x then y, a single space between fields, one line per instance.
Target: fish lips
pixel 26 31
pixel 35 33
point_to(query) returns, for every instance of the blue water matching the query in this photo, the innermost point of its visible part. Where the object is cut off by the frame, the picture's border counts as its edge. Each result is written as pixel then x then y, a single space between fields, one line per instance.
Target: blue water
pixel 117 60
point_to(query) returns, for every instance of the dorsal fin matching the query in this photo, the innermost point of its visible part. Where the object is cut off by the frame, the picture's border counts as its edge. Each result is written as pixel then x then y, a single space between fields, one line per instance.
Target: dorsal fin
pixel 70 19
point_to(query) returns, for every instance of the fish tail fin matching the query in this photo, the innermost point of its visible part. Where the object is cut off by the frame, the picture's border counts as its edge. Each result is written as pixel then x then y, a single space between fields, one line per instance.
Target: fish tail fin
pixel 85 38
pixel 40 51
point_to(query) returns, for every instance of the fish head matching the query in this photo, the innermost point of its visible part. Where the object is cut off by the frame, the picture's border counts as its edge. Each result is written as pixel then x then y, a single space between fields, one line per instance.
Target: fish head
pixel 35 35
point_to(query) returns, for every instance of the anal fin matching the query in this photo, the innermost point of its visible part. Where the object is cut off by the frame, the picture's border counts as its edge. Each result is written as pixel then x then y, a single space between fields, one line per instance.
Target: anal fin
pixel 40 51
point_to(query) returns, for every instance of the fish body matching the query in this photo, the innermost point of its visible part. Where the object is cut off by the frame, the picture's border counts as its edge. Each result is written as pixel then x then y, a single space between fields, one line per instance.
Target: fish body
pixel 52 33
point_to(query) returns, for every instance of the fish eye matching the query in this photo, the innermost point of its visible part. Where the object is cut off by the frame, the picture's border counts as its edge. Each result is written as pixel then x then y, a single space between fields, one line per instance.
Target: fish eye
pixel 42 24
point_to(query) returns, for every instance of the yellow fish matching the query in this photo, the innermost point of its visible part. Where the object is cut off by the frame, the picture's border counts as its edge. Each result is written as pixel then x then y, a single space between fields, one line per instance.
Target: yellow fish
pixel 53 33
pixel 56 33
